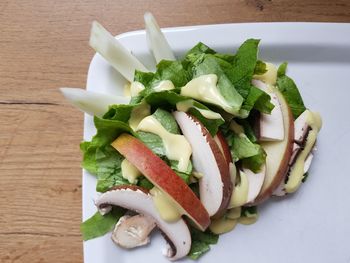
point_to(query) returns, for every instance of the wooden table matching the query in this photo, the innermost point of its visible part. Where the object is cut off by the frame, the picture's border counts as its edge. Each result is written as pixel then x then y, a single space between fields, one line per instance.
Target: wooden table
pixel 43 46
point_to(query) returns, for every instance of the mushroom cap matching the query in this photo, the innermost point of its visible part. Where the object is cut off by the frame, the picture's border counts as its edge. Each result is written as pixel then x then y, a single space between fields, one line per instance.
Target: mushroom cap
pixel 140 201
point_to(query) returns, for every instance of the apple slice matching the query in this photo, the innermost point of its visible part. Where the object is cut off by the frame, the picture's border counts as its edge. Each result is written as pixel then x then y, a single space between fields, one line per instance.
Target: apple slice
pixel 215 187
pixel 139 200
pixel 162 176
pixel 270 126
pixel 278 153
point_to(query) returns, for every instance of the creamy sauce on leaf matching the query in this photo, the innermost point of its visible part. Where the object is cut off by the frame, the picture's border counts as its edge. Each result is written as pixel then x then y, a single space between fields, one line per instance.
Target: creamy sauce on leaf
pixel 176 146
pixel 187 104
pixel 164 85
pixel 138 114
pixel 203 88
pixel 129 171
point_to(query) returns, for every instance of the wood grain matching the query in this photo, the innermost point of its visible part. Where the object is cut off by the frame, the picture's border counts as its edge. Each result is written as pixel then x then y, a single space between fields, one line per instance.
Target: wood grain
pixel 43 46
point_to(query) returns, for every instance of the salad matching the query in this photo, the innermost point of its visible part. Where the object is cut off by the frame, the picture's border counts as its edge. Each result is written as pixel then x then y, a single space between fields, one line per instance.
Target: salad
pixel 193 147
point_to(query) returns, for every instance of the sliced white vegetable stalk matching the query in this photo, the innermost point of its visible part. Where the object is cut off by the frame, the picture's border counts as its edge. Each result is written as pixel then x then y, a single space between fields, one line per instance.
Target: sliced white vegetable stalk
pixel 156 40
pixel 95 104
pixel 114 52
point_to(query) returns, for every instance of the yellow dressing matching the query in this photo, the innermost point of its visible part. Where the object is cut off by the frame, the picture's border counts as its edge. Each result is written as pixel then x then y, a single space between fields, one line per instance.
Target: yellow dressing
pixel 129 171
pixel 198 175
pixel 240 192
pixel 270 76
pixel 248 220
pixel 164 85
pixel 222 225
pixel 203 88
pixel 135 88
pixel 165 206
pixel 139 113
pixel 234 213
pixel 176 146
pixel 297 170
pixel 187 104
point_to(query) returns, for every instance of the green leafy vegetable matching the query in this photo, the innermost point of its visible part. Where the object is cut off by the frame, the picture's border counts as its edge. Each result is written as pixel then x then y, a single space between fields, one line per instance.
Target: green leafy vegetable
pixel 100 158
pixel 244 149
pixel 99 225
pixel 109 172
pixel 255 162
pixel 201 242
pixel 290 92
pixel 167 121
pixel 260 68
pixel 282 69
pixel 153 142
pixel 119 112
pixel 305 176
pixel 248 211
pixel 258 100
pixel 244 66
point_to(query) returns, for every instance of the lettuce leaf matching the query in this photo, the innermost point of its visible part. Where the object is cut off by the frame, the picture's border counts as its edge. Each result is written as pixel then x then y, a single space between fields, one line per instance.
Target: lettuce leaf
pixel 245 149
pixel 260 68
pixel 201 242
pixel 99 225
pixel 255 162
pixel 258 100
pixel 102 160
pixel 244 66
pixel 290 91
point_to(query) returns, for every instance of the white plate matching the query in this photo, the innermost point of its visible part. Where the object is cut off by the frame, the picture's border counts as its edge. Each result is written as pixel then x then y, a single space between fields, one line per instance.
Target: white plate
pixel 312 225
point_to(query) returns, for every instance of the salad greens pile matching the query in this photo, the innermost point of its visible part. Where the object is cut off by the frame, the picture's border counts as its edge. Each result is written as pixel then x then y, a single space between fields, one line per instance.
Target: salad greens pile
pixel 235 73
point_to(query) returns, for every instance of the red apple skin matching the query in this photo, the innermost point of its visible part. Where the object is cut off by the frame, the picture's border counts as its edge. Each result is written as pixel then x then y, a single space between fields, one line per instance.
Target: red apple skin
pixel 161 175
pixel 223 166
pixel 224 147
pixel 284 165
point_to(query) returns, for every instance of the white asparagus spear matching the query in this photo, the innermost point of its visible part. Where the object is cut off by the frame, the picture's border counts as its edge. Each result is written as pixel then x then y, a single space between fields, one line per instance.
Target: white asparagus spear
pixel 114 52
pixel 92 103
pixel 156 40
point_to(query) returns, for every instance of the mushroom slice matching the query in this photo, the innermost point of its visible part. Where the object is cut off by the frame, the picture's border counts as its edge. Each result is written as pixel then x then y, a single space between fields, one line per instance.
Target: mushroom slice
pixel 270 126
pixel 140 201
pixel 215 186
pixel 301 128
pixel 256 181
pixel 223 146
pixel 278 153
pixel 133 231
